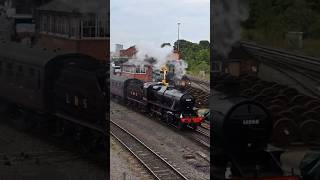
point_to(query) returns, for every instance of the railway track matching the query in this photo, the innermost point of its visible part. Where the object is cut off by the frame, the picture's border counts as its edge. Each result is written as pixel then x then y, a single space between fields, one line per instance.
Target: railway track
pixel 202 136
pixel 294 108
pixel 202 97
pixel 306 81
pixel 303 62
pixel 201 84
pixel 155 164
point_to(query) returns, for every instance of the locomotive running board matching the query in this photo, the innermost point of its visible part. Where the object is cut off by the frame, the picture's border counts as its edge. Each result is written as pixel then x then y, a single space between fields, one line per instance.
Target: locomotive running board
pixel 79 122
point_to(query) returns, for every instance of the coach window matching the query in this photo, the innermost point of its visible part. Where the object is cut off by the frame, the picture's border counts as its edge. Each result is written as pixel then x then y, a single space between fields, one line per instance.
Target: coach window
pixel 1 68
pixel 9 69
pixel 9 72
pixel 31 79
pixel 20 70
pixel 19 73
pixel 38 79
pixel 76 101
pixel 85 103
pixel 67 99
pixel 31 72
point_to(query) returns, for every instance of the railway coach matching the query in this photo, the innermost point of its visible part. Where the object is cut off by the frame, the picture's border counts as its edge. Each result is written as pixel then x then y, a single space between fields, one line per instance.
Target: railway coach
pixel 65 92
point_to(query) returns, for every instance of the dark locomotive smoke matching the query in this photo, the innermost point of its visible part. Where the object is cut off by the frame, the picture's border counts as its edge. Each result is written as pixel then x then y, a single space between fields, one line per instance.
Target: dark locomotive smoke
pixel 227 16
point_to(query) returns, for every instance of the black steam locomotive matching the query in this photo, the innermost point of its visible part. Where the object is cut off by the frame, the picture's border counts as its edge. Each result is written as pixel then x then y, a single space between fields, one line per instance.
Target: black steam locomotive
pixel 172 105
pixel 65 92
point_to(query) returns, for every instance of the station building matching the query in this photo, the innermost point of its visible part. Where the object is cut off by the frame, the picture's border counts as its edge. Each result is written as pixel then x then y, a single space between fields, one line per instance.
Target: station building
pixel 141 70
pixel 79 26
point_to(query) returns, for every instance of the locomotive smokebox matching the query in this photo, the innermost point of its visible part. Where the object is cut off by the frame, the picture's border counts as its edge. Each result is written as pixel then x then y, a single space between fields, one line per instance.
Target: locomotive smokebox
pixel 239 124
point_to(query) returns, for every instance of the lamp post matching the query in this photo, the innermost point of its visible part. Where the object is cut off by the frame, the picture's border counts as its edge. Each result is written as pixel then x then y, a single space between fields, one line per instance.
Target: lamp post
pixel 178 36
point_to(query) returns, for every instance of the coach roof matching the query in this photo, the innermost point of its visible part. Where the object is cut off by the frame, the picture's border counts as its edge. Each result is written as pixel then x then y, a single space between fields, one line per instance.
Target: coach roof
pixel 26 54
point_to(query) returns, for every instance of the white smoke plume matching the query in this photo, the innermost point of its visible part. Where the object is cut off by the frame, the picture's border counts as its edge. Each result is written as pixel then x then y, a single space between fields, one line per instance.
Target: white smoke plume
pixel 148 49
pixel 162 57
pixel 180 68
pixel 227 16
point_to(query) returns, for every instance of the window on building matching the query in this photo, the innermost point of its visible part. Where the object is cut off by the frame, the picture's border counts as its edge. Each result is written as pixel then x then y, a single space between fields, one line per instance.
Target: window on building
pixel 73 26
pixel 143 70
pixel 51 24
pixel 102 27
pixel 93 27
pixel 44 23
pixel 89 27
pixel 59 25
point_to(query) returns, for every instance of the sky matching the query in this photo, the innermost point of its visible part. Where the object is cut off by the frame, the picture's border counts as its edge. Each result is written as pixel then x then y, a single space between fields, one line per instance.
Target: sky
pixel 153 22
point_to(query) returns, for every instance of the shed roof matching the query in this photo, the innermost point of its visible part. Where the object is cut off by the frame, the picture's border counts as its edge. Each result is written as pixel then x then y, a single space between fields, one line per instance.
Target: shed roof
pixel 77 6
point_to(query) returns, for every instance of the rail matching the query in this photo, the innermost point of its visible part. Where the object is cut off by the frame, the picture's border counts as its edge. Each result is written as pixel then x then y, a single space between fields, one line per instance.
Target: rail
pixel 156 165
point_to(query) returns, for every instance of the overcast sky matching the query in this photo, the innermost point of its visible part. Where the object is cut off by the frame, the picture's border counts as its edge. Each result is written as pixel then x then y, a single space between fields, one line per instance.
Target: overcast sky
pixel 155 21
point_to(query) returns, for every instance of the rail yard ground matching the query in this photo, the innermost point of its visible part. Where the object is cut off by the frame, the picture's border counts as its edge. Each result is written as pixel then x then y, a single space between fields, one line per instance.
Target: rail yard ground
pixel 183 153
pixel 25 156
pixel 124 165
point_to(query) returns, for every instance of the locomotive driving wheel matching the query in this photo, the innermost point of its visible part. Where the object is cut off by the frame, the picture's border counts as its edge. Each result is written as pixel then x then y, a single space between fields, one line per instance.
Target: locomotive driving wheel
pixel 168 119
pixel 180 126
pixel 193 127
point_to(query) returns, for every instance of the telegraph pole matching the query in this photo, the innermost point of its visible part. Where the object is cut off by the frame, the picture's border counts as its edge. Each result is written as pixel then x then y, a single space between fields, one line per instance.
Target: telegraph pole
pixel 178 44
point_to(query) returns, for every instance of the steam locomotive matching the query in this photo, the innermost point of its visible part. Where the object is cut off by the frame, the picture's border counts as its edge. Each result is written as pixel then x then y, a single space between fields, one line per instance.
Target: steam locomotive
pixel 66 93
pixel 172 105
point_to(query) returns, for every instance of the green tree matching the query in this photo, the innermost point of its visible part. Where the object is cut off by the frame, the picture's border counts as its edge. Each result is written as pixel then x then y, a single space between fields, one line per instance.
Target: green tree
pixel 196 55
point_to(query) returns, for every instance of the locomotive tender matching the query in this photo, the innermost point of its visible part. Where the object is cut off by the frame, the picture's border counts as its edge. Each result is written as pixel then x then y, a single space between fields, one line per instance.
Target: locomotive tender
pixel 68 91
pixel 172 105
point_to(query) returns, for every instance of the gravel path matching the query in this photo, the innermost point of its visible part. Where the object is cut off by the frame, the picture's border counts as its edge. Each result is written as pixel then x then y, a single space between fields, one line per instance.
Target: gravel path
pixel 123 165
pixel 24 156
pixel 182 152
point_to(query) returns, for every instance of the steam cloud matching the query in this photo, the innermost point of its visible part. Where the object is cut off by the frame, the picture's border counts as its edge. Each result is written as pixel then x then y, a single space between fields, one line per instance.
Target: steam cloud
pixel 227 16
pixel 161 56
pixel 152 50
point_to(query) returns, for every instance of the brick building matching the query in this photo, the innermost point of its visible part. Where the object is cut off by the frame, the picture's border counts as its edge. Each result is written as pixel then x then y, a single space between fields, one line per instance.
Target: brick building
pixel 142 71
pixel 129 53
pixel 79 26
